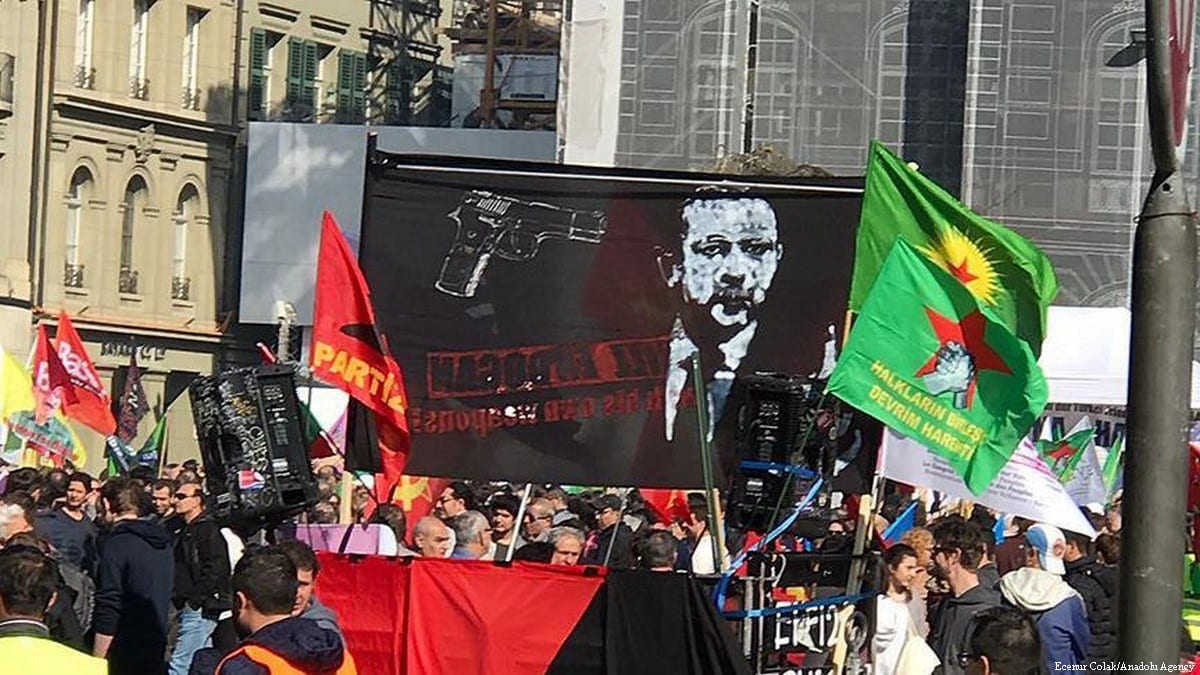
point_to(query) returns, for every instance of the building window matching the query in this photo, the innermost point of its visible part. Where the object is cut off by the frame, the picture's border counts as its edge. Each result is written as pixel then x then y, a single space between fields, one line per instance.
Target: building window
pixel 190 96
pixel 138 84
pixel 711 94
pixel 775 98
pixel 85 75
pixel 77 194
pixel 136 194
pixel 1118 115
pixel 351 86
pixel 302 78
pixel 186 208
pixel 261 44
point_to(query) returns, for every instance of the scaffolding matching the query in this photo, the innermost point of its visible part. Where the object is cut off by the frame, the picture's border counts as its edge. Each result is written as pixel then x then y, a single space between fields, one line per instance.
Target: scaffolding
pixel 496 28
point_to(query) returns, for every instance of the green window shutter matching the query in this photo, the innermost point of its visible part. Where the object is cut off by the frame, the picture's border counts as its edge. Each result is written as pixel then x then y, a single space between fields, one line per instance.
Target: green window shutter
pixel 295 72
pixel 258 78
pixel 345 85
pixel 358 97
pixel 309 85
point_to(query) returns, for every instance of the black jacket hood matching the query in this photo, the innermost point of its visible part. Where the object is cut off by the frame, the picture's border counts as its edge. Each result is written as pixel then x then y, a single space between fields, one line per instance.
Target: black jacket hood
pixel 152 533
pixel 302 643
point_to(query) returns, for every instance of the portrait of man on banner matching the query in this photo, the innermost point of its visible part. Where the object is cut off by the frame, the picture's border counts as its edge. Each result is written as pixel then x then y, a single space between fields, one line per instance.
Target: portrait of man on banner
pixel 729 250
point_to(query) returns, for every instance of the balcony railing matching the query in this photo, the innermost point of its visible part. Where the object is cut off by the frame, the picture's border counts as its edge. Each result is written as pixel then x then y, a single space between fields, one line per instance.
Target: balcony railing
pixel 139 88
pixel 189 98
pixel 85 78
pixel 72 275
pixel 181 288
pixel 128 281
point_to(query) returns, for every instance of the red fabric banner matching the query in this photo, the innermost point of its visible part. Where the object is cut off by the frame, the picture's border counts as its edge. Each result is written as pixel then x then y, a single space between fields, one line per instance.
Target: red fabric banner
pixel 348 350
pixel 474 617
pixel 52 387
pixel 92 406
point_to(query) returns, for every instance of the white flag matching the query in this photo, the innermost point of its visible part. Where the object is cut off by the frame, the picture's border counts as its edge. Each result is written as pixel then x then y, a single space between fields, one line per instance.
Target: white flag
pixel 1024 487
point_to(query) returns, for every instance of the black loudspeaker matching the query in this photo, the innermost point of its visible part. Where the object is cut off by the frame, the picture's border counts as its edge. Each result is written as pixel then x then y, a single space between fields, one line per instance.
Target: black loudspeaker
pixel 772 413
pixel 252 442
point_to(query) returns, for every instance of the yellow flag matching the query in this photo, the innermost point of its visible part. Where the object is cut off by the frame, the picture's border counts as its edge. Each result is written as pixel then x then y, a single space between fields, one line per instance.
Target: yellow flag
pixel 17 422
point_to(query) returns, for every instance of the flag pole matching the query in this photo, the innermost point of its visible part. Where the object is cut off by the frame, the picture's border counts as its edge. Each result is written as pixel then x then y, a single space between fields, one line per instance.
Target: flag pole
pixel 704 426
pixel 520 522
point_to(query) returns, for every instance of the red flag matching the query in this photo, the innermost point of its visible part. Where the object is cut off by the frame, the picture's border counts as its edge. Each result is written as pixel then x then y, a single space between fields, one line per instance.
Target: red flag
pixel 51 384
pixel 417 495
pixel 92 406
pixel 349 352
pixel 667 505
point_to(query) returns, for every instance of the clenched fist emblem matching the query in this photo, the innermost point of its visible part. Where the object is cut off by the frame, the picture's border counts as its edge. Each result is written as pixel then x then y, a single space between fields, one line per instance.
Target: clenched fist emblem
pixel 954 372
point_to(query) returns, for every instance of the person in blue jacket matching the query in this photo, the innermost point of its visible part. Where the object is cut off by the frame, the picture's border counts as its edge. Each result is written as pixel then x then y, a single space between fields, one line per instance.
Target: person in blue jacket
pixel 1056 608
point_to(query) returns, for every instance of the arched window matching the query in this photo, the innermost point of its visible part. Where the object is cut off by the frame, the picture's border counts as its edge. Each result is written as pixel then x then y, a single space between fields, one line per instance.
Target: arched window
pixel 136 194
pixel 777 74
pixel 187 207
pixel 77 196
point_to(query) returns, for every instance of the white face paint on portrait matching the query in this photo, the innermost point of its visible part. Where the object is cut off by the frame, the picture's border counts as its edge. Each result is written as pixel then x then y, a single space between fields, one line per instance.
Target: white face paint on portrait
pixel 731 251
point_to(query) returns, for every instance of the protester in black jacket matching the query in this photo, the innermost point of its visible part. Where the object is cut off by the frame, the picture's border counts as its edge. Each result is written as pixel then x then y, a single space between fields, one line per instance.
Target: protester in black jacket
pixel 201 574
pixel 956 554
pixel 1096 585
pixel 133 585
pixel 614 542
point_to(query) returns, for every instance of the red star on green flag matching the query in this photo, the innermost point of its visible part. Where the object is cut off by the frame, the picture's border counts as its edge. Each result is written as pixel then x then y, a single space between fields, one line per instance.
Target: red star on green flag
pixel 969 333
pixel 931 360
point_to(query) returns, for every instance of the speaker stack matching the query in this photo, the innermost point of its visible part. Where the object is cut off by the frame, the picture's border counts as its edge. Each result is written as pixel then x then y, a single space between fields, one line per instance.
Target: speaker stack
pixel 772 413
pixel 252 441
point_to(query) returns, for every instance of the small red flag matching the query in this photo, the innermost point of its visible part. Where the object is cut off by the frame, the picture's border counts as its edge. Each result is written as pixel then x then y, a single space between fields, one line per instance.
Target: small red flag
pixel 417 495
pixel 349 352
pixel 52 387
pixel 92 406
pixel 667 505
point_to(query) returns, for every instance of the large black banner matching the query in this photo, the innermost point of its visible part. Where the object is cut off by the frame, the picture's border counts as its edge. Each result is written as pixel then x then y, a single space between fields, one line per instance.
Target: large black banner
pixel 546 317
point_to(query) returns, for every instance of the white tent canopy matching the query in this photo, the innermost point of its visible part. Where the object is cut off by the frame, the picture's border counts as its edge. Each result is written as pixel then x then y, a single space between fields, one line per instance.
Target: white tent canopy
pixel 1086 356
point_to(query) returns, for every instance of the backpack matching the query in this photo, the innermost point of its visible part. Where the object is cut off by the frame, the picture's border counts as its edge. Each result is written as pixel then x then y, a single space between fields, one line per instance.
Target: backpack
pixel 85 592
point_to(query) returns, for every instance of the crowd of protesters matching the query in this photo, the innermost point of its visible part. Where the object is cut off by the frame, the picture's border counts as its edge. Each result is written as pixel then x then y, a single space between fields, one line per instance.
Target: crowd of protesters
pixel 957 600
pixel 134 571
pixel 132 575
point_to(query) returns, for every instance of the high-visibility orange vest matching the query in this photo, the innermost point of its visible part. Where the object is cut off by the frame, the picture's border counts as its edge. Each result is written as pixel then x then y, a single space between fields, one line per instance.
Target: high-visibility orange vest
pixel 277 665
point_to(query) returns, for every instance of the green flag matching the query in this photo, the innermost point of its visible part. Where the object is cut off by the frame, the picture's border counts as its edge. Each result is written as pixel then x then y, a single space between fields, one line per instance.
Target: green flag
pixel 151 452
pixel 1114 463
pixel 1005 271
pixel 1062 453
pixel 928 359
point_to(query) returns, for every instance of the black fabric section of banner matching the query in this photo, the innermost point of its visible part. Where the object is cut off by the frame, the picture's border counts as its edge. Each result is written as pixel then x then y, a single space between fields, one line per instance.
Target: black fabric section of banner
pixel 362 439
pixel 663 622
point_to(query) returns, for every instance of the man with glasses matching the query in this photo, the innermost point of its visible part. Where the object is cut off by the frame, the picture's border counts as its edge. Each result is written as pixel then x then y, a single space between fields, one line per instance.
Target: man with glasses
pixel 614 541
pixel 455 499
pixel 201 576
pixel 539 518
pixel 957 550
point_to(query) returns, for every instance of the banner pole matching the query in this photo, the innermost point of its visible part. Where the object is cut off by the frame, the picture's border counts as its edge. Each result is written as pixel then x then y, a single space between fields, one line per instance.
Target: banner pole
pixel 704 425
pixel 519 523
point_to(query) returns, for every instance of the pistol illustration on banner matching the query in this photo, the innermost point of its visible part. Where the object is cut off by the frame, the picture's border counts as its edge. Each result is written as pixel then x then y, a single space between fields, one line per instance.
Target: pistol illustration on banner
pixel 511 228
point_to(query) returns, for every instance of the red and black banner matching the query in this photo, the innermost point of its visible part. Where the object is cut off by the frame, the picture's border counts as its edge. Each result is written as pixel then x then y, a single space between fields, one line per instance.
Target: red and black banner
pixel 433 616
pixel 546 317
